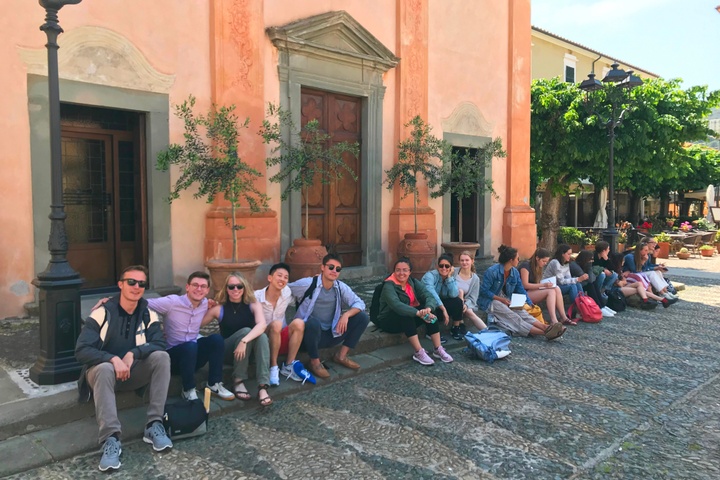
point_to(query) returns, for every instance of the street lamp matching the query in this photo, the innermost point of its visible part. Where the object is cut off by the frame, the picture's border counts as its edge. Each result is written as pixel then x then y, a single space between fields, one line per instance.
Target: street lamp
pixel 617 77
pixel 58 284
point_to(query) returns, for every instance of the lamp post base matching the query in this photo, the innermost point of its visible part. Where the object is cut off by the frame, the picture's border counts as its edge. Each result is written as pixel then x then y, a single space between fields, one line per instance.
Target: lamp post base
pixel 611 236
pixel 60 325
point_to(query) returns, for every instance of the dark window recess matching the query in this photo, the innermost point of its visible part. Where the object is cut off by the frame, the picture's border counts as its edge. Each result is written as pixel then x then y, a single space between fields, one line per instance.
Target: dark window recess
pixel 569 74
pixel 470 207
pixel 95 117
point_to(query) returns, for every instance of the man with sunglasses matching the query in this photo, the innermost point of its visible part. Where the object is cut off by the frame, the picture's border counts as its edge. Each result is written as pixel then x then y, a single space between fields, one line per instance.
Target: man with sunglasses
pixel 326 324
pixel 189 351
pixel 121 347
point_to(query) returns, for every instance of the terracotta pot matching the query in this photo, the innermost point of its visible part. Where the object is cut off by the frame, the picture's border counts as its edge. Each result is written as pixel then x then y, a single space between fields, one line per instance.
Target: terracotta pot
pixel 707 253
pixel 456 248
pixel 220 269
pixel 664 251
pixel 620 247
pixel 590 247
pixel 683 256
pixel 717 247
pixel 575 248
pixel 419 250
pixel 305 258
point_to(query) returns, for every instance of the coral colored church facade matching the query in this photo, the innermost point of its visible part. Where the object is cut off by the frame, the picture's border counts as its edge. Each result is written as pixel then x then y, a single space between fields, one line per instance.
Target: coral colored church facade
pixel 363 68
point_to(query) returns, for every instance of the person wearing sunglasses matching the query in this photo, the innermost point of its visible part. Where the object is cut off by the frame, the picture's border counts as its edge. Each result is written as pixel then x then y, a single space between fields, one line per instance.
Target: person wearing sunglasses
pixel 442 285
pixel 332 313
pixel 242 325
pixel 121 347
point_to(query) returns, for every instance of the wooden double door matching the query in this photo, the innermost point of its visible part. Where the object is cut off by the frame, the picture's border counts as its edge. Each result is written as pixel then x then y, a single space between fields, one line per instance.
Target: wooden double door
pixel 103 185
pixel 335 208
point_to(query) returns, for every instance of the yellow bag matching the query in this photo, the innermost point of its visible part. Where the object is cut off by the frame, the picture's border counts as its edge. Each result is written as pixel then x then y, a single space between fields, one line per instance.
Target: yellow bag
pixel 536 312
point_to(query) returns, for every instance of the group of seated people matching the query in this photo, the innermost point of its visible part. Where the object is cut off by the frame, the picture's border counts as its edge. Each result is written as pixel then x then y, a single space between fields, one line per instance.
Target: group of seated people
pixel 122 345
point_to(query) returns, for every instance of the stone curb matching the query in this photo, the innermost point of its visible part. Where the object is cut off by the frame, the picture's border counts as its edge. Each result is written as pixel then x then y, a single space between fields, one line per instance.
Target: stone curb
pixel 67 439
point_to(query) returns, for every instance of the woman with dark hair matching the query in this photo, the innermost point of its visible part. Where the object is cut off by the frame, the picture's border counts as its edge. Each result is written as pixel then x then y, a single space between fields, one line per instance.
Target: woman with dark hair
pixel 605 278
pixel 499 283
pixel 406 302
pixel 442 286
pixel 531 274
pixel 559 267
pixel 242 325
pixel 617 260
pixel 638 268
pixel 584 264
pixel 469 286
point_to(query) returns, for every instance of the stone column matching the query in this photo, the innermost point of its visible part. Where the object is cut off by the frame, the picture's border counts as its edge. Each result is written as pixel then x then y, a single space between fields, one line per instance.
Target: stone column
pixel 236 35
pixel 519 229
pixel 412 100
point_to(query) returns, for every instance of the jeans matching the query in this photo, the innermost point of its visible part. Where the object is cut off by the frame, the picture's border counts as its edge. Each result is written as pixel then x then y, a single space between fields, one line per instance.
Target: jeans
pixel 316 338
pixel 188 357
pixel 603 282
pixel 572 289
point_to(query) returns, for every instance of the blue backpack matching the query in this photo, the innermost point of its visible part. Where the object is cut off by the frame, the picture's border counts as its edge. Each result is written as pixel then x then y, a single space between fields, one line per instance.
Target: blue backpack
pixel 486 344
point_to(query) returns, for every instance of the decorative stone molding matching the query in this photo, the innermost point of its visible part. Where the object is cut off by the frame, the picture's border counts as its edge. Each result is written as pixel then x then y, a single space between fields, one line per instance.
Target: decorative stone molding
pixel 100 56
pixel 467 119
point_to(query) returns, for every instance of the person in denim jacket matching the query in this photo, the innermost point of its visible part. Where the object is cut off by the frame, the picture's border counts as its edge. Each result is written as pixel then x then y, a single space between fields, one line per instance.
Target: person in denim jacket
pixel 442 286
pixel 499 283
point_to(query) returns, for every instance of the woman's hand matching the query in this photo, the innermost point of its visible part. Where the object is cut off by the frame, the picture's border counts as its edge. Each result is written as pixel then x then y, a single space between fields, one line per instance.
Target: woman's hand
pixel 546 285
pixel 240 350
pixel 504 300
pixel 446 317
pixel 583 277
pixel 422 312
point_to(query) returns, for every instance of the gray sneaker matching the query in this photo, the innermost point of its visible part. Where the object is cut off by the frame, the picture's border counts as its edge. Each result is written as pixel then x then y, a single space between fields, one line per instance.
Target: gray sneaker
pixel 111 455
pixel 156 435
pixel 287 372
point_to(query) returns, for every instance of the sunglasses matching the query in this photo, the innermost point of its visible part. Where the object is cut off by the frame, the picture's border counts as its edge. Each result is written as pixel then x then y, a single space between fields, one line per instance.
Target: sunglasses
pixel 334 267
pixel 132 282
pixel 444 265
pixel 239 286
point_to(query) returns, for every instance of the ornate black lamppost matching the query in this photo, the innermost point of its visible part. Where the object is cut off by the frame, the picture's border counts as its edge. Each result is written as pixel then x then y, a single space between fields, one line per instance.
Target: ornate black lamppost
pixel 59 284
pixel 621 79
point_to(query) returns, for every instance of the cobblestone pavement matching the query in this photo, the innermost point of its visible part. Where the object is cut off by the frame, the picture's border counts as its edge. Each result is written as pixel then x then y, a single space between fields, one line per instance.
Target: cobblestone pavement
pixel 636 396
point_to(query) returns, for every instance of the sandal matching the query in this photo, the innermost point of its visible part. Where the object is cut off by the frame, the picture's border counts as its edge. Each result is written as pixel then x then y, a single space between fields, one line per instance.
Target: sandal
pixel 267 401
pixel 567 321
pixel 241 392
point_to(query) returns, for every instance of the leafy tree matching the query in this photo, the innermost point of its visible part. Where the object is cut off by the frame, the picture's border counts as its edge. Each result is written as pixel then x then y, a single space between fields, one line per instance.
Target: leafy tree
pixel 463 174
pixel 209 158
pixel 307 157
pixel 415 160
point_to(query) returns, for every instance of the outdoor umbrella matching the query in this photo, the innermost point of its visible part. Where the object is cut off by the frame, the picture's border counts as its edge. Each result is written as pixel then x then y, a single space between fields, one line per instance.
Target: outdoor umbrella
pixel 601 217
pixel 710 199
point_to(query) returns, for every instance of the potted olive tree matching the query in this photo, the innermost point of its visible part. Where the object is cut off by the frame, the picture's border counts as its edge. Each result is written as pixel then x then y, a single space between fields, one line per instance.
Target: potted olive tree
pixel 305 157
pixel 462 175
pixel 209 159
pixel 419 156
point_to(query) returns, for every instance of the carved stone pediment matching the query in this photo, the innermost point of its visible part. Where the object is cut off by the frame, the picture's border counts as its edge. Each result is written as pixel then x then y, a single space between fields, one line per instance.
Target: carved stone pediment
pixel 100 56
pixel 467 119
pixel 334 34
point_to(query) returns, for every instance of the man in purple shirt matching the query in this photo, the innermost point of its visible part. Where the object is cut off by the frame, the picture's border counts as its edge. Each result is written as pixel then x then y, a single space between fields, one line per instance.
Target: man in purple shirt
pixel 183 315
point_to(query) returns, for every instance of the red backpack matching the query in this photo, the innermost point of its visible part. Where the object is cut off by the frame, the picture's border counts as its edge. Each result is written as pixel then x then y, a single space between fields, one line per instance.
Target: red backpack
pixel 585 308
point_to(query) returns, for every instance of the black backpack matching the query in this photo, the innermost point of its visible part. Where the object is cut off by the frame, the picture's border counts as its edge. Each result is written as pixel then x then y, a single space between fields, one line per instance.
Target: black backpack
pixel 384 325
pixel 616 299
pixel 308 292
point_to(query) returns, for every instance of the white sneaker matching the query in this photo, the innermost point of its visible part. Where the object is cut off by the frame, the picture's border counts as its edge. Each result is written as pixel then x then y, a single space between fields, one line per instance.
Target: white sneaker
pixel 610 310
pixel 287 372
pixel 274 376
pixel 670 296
pixel 190 395
pixel 222 392
pixel 606 312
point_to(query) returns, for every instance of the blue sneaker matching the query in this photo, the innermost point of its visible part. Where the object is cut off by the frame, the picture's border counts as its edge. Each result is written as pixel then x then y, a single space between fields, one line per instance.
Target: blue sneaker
pixel 111 455
pixel 300 370
pixel 156 436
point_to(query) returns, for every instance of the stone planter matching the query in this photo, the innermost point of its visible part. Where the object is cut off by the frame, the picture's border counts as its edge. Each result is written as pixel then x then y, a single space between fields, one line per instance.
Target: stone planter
pixel 305 258
pixel 419 250
pixel 664 251
pixel 683 255
pixel 220 269
pixel 456 248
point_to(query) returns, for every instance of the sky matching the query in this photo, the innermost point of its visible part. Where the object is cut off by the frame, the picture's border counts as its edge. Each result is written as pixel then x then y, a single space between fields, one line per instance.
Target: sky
pixel 671 38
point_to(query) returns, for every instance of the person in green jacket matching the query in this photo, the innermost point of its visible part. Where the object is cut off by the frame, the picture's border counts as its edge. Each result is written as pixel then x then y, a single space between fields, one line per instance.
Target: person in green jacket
pixel 407 303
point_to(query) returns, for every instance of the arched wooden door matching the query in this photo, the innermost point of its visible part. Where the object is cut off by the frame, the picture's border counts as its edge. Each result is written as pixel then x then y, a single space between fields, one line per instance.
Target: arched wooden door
pixel 335 208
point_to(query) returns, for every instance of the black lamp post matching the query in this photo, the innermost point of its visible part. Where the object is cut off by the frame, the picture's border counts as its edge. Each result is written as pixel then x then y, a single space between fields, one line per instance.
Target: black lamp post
pixel 621 79
pixel 59 284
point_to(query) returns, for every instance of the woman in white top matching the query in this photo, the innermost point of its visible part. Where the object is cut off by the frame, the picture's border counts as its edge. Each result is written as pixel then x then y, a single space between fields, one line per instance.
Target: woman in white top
pixel 559 267
pixel 469 286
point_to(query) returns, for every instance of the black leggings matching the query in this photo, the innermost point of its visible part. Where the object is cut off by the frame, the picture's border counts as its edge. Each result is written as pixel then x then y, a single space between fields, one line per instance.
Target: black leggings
pixel 411 324
pixel 454 307
pixel 592 290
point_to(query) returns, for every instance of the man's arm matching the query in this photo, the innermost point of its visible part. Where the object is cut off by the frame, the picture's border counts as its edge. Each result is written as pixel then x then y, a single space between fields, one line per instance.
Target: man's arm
pixel 350 298
pixel 88 348
pixel 162 305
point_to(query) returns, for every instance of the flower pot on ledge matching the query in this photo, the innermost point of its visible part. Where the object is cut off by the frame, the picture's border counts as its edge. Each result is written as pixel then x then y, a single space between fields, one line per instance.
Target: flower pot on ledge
pixel 305 258
pixel 456 248
pixel 419 250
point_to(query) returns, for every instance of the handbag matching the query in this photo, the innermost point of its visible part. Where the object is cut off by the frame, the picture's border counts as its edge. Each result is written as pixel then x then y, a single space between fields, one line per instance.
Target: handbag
pixel 185 419
pixel 536 312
